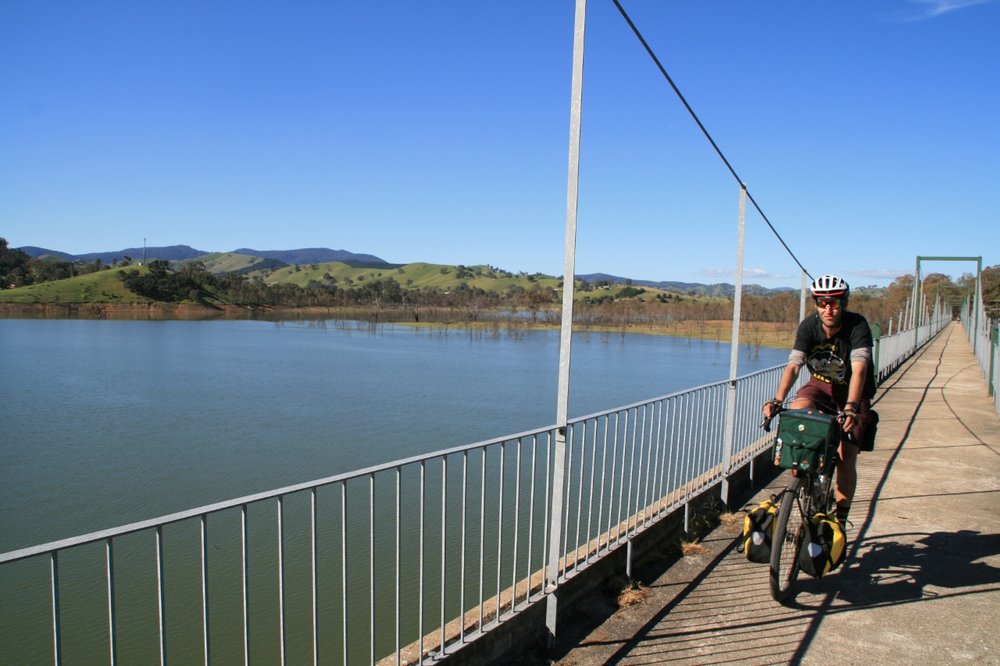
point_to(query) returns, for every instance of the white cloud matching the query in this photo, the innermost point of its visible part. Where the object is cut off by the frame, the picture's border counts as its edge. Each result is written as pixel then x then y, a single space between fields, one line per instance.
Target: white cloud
pixel 927 9
pixel 748 273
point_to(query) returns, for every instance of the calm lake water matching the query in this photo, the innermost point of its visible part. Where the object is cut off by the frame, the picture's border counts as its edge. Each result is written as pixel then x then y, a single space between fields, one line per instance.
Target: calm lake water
pixel 110 422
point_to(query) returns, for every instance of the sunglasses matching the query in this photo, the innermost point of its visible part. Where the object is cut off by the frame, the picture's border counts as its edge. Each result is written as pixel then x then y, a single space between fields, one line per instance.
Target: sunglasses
pixel 832 303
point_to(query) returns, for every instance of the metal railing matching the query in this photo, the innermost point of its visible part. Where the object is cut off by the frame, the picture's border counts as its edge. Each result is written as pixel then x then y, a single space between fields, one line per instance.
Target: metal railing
pixel 424 553
pixel 983 335
pixel 403 562
pixel 893 350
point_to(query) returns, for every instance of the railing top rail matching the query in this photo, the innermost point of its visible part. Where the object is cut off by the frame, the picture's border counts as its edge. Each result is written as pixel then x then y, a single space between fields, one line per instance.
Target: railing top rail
pixel 668 396
pixel 187 514
pixel 179 516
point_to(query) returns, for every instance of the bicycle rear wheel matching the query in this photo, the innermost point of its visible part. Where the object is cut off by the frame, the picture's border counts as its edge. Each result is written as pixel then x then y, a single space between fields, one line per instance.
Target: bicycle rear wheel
pixel 788 535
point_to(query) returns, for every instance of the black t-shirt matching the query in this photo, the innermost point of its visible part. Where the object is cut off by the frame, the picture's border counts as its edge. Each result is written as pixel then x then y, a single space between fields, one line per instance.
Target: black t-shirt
pixel 829 359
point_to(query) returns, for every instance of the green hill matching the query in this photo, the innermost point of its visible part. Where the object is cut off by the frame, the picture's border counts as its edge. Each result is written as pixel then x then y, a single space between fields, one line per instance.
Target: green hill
pixel 233 262
pixel 410 276
pixel 100 287
pixel 106 287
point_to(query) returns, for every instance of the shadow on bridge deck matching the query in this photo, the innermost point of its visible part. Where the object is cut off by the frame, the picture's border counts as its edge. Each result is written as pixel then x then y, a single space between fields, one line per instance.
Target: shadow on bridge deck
pixel 922 579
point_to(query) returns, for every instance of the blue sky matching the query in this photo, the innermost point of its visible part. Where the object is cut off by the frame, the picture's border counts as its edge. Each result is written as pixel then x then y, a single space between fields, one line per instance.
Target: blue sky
pixel 868 132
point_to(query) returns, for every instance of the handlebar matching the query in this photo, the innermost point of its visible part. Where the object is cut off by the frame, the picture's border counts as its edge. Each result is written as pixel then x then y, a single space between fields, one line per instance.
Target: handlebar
pixel 777 408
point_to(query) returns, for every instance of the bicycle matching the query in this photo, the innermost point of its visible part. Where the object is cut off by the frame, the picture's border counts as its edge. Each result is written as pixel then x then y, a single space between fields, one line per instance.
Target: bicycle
pixel 809 492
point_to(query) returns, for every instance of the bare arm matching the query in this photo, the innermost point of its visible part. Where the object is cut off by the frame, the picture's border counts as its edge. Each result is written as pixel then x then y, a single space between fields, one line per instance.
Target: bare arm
pixel 788 378
pixel 859 371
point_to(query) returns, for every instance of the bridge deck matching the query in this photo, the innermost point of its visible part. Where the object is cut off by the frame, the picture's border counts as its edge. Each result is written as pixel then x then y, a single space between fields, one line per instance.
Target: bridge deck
pixel 922 579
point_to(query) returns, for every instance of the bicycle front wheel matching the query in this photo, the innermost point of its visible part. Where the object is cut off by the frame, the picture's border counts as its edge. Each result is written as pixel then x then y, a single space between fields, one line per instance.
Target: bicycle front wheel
pixel 789 531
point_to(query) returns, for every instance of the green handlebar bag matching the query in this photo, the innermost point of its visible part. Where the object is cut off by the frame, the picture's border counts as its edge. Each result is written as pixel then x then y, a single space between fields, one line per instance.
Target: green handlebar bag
pixel 807 441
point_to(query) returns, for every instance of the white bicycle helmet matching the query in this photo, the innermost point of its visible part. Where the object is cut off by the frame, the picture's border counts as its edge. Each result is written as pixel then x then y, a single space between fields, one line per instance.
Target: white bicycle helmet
pixel 829 286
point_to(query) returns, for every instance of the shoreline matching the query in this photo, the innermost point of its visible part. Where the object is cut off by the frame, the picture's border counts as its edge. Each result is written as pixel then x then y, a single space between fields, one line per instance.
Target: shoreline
pixel 760 334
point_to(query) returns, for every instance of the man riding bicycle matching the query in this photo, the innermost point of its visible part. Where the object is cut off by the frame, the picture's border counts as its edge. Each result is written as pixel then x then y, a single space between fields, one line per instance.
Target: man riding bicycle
pixel 837 347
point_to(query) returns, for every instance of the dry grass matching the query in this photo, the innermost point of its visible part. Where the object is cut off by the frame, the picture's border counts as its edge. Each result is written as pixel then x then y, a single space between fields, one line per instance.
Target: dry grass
pixel 632 595
pixel 731 520
pixel 692 548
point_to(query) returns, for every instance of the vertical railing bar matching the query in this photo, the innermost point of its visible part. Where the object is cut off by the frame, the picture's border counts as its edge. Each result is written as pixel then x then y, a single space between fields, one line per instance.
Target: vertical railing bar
pixel 614 475
pixel 659 492
pixel 399 517
pixel 517 526
pixel 704 434
pixel 567 491
pixel 371 568
pixel 590 499
pixel 579 490
pixel 245 553
pixel 461 550
pixel 604 479
pixel 717 422
pixel 204 589
pixel 604 476
pixel 638 444
pixel 343 566
pixel 640 492
pixel 482 535
pixel 721 424
pixel 668 451
pixel 746 390
pixel 531 518
pixel 662 453
pixel 313 538
pixel 713 427
pixel 740 389
pixel 444 516
pixel 718 431
pixel 420 566
pixel 631 470
pixel 161 614
pixel 673 453
pixel 654 464
pixel 503 457
pixel 56 628
pixel 281 577
pixel 682 432
pixel 648 446
pixel 654 461
pixel 640 428
pixel 696 447
pixel 621 474
pixel 546 535
pixel 109 562
pixel 688 447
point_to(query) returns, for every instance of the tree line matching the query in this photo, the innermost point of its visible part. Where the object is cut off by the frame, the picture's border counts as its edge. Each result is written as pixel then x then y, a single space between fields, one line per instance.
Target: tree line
pixel 616 305
pixel 193 282
pixel 19 269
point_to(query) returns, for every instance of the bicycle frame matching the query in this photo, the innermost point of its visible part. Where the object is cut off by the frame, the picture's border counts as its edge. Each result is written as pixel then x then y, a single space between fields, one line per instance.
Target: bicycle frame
pixel 808 493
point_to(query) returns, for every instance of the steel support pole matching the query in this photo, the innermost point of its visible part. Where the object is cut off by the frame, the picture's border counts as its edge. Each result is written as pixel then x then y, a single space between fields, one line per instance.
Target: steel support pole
pixel 566 329
pixel 734 348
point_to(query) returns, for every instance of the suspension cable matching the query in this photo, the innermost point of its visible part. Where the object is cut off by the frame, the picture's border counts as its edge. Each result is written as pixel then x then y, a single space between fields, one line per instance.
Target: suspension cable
pixel 708 136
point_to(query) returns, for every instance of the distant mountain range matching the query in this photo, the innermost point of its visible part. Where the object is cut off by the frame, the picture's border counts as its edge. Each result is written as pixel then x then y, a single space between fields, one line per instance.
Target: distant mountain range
pixel 312 255
pixel 717 289
pixel 272 259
